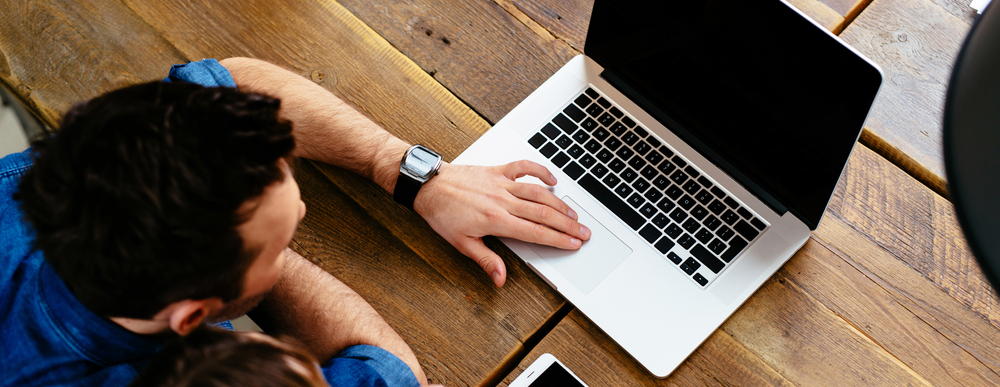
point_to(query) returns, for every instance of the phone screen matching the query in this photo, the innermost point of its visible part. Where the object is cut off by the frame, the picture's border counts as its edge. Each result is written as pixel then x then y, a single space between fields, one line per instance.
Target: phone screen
pixel 556 376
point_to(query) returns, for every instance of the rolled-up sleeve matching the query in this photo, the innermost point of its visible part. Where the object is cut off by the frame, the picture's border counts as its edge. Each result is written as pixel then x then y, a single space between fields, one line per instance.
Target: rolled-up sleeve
pixel 206 72
pixel 366 365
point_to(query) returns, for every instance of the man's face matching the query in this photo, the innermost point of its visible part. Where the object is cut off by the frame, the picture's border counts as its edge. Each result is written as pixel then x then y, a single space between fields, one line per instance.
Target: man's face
pixel 276 215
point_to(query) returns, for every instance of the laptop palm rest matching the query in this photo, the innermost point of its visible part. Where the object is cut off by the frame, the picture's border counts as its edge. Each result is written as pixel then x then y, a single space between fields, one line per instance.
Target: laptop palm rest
pixel 588 266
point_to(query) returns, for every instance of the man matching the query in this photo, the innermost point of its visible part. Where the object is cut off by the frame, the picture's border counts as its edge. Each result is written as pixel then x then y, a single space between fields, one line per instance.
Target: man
pixel 166 205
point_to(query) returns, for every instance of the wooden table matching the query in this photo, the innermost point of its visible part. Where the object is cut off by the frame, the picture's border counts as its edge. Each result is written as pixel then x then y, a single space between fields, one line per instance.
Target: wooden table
pixel 885 292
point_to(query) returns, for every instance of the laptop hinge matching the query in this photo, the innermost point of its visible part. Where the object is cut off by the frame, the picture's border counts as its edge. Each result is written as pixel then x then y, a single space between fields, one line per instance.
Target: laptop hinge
pixel 681 131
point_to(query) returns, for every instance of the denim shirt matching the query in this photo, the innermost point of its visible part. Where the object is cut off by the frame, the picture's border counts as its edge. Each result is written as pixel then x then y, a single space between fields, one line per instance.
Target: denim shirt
pixel 48 338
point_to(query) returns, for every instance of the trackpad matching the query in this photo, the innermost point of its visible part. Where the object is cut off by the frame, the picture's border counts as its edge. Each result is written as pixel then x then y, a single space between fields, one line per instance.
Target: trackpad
pixel 589 265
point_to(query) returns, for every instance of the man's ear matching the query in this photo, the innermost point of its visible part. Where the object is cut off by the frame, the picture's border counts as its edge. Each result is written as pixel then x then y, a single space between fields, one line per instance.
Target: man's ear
pixel 188 314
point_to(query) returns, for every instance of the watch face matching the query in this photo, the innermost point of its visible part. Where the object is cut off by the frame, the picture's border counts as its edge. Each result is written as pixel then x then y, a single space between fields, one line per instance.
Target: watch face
pixel 421 162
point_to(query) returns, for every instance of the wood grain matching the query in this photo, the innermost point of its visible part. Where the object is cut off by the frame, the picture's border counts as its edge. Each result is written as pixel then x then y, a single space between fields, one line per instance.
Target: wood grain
pixel 915 42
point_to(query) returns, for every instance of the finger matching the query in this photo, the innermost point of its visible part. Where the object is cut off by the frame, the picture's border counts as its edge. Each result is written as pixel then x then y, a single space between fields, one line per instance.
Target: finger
pixel 490 262
pixel 532 232
pixel 522 168
pixel 550 218
pixel 539 194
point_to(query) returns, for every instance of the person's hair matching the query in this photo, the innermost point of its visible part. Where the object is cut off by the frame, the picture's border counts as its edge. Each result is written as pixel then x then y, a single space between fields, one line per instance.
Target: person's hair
pixel 211 357
pixel 136 200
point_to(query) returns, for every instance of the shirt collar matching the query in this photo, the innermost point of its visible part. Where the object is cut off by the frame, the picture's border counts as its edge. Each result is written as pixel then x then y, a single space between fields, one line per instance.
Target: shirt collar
pixel 94 337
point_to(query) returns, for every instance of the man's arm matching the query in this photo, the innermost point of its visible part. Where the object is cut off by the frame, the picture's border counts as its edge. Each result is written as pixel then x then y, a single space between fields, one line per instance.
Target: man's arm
pixel 462 203
pixel 327 316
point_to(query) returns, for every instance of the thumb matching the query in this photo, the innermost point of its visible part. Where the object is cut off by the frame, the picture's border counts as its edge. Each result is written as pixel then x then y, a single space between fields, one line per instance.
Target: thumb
pixel 491 263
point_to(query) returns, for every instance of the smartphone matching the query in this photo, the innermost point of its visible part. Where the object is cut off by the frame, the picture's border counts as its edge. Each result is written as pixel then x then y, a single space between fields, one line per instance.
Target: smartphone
pixel 547 371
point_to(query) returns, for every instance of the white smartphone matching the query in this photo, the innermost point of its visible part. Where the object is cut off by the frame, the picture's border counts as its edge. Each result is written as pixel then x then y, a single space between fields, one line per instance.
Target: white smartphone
pixel 546 371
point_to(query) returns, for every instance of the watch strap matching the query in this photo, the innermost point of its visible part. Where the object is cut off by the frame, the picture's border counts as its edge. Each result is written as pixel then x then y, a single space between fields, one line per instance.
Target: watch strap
pixel 406 190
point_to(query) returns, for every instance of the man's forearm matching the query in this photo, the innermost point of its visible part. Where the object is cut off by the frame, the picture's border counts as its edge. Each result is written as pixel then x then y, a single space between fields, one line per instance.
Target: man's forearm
pixel 326 315
pixel 326 127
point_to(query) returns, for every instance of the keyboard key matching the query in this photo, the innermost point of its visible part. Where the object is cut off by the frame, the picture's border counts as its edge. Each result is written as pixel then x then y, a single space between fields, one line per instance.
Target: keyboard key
pixel 756 222
pixel 629 138
pixel 611 180
pixel 616 165
pixel 537 140
pixel 625 153
pixel 606 119
pixel 642 147
pixel 639 130
pixel 591 93
pixel 678 215
pixel 704 236
pixel 548 150
pixel 592 146
pixel 691 225
pixel 654 157
pixel 716 207
pixel 661 182
pixel 664 245
pixel 599 170
pixel 673 230
pixel 623 190
pixel 706 257
pixel 637 163
pixel 587 161
pixel 717 246
pixel 650 233
pixel 649 172
pixel 667 152
pixel 718 192
pixel 574 113
pixel 640 185
pixel 589 124
pixel 730 217
pixel 661 220
pixel 705 182
pixel 615 112
pixel 691 186
pixel 653 195
pixel 699 212
pixel 647 210
pixel 744 213
pixel 691 171
pixel 676 259
pixel 731 202
pixel 605 155
pixel 565 123
pixel 735 247
pixel 674 192
pixel 635 200
pixel 712 222
pixel 686 202
pixel 564 141
pixel 560 159
pixel 551 130
pixel 575 151
pixel 608 198
pixel 604 103
pixel 725 233
pixel 666 167
pixel 628 175
pixel 654 142
pixel 601 134
pixel 630 123
pixel 703 196
pixel 581 136
pixel 613 143
pixel 690 266
pixel 679 161
pixel 595 110
pixel 678 177
pixel 583 100
pixel 618 129
pixel 574 170
pixel 746 230
pixel 666 205
pixel 701 280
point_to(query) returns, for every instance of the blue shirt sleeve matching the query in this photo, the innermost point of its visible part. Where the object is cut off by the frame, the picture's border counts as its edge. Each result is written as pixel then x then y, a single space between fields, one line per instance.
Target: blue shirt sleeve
pixel 366 365
pixel 206 72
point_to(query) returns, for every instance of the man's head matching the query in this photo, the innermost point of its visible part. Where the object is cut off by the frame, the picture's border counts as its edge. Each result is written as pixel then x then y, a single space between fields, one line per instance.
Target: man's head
pixel 164 192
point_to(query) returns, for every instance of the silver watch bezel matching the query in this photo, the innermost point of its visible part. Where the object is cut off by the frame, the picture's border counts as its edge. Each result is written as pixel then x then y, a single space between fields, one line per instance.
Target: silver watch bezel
pixel 408 171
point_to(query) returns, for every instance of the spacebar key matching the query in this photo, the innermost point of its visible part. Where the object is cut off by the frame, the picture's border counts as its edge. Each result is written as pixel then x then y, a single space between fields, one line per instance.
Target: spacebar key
pixel 610 200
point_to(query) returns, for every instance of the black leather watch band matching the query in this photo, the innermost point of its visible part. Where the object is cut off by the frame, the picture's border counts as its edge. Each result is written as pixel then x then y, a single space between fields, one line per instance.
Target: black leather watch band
pixel 406 190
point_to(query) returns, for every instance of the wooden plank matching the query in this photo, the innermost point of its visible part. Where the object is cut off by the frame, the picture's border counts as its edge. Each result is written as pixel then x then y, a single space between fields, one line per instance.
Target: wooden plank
pixel 598 361
pixel 54 54
pixel 915 42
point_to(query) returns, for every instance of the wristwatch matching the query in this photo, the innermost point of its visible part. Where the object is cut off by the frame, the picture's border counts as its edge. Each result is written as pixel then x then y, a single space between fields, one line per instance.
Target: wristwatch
pixel 419 164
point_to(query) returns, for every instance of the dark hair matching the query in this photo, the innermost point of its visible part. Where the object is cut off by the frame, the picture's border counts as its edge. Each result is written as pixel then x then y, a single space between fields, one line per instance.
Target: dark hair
pixel 135 200
pixel 214 357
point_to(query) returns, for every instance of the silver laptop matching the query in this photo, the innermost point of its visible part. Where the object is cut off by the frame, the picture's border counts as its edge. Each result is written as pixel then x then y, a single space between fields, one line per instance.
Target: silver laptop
pixel 701 142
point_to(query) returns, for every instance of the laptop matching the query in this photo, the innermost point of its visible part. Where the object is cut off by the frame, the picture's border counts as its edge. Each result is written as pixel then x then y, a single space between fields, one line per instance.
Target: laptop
pixel 700 141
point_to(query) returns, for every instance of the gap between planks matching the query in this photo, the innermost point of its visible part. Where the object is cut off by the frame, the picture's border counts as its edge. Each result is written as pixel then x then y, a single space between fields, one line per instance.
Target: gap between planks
pixel 510 364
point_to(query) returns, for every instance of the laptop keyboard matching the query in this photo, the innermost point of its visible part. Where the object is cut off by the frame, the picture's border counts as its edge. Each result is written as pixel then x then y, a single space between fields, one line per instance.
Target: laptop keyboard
pixel 695 224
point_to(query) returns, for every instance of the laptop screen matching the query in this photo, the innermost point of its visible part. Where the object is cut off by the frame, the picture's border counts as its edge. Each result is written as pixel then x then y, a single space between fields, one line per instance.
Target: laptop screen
pixel 769 97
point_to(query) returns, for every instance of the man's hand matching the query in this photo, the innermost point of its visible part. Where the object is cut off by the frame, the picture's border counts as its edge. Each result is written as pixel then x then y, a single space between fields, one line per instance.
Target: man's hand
pixel 466 203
